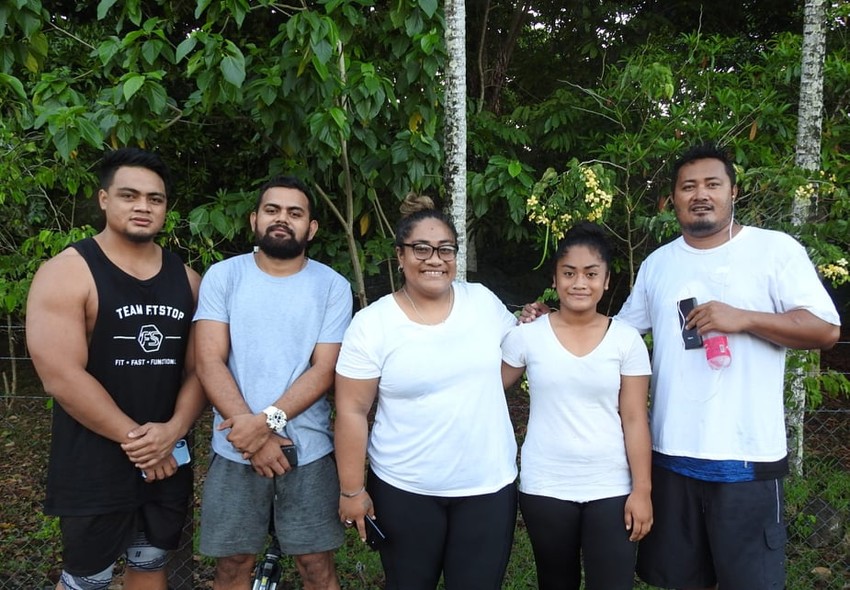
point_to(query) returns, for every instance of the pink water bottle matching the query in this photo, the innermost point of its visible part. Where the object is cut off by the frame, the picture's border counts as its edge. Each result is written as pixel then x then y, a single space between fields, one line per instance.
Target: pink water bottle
pixel 717 351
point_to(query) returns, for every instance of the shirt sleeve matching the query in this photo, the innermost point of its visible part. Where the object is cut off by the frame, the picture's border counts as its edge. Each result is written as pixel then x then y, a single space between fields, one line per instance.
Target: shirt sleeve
pixel 635 311
pixel 338 315
pixel 212 296
pixel 800 287
pixel 513 348
pixel 358 357
pixel 635 359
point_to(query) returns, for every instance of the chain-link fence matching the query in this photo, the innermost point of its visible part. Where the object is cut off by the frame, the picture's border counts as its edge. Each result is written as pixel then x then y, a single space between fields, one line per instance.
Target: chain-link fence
pixel 818 504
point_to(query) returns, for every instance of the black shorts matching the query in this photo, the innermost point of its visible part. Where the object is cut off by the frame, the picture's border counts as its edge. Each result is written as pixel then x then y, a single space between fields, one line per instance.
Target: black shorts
pixel 708 532
pixel 91 543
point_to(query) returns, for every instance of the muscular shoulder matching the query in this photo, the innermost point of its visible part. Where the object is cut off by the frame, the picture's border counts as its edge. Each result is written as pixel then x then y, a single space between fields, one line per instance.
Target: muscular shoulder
pixel 66 275
pixel 62 297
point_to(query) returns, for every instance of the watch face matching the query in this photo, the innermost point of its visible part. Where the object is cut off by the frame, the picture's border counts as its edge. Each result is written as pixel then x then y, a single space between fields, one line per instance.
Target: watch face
pixel 276 419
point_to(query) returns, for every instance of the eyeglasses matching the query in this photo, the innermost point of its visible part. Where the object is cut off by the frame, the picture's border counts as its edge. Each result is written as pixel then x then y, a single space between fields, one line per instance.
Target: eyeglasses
pixel 422 251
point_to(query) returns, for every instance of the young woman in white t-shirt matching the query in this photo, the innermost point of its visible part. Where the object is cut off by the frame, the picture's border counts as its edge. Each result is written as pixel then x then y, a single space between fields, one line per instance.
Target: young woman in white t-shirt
pixel 585 462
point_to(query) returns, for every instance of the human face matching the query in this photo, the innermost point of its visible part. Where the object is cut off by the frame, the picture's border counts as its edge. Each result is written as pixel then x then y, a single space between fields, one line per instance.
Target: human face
pixel 581 277
pixel 135 203
pixel 434 276
pixel 282 225
pixel 703 200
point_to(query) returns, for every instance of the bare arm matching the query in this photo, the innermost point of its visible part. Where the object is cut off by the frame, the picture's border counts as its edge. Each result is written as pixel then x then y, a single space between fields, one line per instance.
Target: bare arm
pixel 152 443
pixel 212 348
pixel 510 374
pixel 248 432
pixel 633 414
pixel 63 300
pixel 354 399
pixel 797 328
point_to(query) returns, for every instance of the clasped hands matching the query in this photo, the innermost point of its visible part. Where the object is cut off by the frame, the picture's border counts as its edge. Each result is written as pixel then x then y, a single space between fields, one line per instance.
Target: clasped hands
pixel 250 435
pixel 149 449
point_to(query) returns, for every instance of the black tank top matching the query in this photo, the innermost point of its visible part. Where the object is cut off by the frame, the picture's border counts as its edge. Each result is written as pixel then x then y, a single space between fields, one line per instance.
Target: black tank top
pixel 136 351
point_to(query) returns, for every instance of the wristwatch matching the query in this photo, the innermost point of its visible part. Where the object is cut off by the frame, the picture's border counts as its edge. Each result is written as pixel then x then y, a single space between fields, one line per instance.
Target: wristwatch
pixel 275 419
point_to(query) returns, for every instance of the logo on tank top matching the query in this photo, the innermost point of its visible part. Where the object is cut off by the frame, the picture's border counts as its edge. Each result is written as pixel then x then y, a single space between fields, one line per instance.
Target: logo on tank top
pixel 149 337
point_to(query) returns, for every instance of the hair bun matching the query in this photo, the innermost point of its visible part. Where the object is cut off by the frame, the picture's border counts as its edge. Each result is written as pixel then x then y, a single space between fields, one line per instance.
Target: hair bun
pixel 413 203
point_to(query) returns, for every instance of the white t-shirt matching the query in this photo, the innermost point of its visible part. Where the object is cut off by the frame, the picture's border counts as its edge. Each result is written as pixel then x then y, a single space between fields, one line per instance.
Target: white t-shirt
pixel 735 413
pixel 574 448
pixel 442 426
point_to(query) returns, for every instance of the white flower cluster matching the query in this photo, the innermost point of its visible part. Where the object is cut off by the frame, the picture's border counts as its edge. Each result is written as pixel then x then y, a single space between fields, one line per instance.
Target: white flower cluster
pixel 598 199
pixel 804 193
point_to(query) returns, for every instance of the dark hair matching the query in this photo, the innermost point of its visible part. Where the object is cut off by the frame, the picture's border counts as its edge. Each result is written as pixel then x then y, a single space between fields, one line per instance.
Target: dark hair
pixel 588 234
pixel 135 158
pixel 703 151
pixel 286 182
pixel 414 209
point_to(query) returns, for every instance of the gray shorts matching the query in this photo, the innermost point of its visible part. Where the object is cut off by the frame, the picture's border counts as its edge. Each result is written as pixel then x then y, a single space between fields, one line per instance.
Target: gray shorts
pixel 237 504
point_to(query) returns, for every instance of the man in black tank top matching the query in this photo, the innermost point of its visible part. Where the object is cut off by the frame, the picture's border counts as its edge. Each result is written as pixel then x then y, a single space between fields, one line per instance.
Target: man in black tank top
pixel 108 328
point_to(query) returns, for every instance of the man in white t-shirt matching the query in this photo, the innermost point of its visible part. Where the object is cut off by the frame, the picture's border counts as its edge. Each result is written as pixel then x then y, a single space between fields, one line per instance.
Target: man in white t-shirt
pixel 718 434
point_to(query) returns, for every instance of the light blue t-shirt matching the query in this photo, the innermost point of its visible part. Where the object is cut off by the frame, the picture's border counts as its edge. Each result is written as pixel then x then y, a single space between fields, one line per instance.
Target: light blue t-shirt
pixel 275 323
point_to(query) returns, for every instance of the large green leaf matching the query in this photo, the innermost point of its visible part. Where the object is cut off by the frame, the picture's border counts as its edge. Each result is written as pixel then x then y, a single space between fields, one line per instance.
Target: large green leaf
pixel 103 8
pixel 233 65
pixel 132 84
pixel 15 84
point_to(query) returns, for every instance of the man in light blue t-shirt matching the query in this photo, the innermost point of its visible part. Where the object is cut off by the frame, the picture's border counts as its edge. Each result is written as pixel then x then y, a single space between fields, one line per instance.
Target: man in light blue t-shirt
pixel 269 327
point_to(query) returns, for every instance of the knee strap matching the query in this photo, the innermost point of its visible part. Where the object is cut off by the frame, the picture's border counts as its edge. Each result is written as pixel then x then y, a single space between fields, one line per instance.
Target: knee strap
pixel 98 581
pixel 144 557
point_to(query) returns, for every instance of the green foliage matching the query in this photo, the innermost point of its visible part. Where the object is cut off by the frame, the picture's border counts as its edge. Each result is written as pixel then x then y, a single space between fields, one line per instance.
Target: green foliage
pixel 559 201
pixel 815 383
pixel 347 94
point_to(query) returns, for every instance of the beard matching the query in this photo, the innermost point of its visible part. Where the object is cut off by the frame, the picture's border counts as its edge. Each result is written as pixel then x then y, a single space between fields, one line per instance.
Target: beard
pixel 281 248
pixel 706 227
pixel 701 228
pixel 140 238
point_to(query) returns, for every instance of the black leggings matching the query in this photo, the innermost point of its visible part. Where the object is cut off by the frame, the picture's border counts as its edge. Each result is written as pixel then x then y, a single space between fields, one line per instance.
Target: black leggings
pixel 564 533
pixel 467 539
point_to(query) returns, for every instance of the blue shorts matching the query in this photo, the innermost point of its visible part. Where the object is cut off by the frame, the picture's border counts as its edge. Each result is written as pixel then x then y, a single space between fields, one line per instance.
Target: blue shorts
pixel 707 533
pixel 237 506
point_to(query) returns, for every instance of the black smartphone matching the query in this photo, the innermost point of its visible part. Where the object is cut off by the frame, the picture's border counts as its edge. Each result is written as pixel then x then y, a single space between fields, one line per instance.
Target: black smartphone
pixel 689 337
pixel 374 536
pixel 291 454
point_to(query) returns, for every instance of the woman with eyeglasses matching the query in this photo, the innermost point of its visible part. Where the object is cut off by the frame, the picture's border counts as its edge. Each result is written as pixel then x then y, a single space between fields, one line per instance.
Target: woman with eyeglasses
pixel 442 452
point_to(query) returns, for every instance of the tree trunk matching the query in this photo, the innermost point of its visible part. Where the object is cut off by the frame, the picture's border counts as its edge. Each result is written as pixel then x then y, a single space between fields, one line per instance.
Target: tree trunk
pixel 809 129
pixel 455 141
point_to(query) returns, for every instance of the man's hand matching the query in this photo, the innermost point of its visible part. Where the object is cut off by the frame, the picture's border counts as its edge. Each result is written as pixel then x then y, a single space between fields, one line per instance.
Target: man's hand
pixel 532 311
pixel 161 470
pixel 269 460
pixel 248 432
pixel 150 443
pixel 714 316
